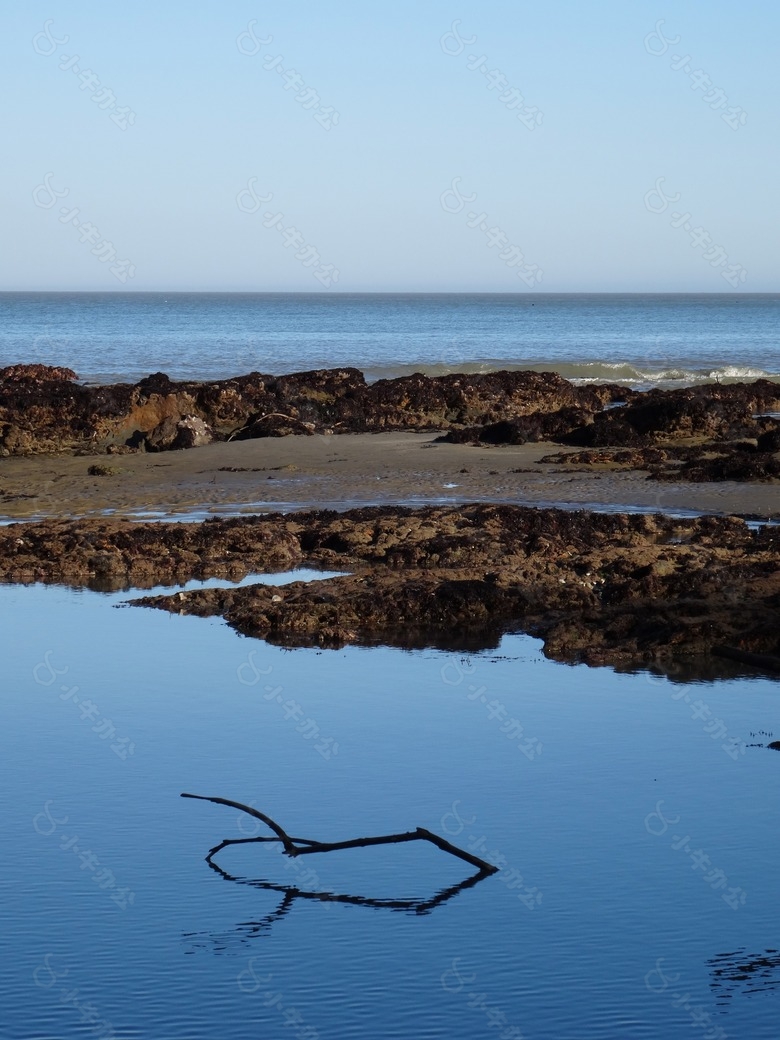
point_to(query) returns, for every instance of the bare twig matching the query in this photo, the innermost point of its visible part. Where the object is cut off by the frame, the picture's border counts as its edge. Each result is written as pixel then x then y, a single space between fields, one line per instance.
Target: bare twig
pixel 421 834
pixel 286 840
pixel 304 846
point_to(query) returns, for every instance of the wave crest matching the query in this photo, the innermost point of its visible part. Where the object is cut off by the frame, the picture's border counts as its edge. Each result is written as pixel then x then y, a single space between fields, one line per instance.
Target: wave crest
pixel 584 372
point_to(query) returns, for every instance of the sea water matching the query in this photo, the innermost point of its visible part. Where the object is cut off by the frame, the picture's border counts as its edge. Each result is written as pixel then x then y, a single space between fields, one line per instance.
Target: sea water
pixel 638 340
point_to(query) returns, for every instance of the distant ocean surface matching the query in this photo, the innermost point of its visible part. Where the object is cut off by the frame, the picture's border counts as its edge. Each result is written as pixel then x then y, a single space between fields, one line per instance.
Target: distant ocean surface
pixel 640 340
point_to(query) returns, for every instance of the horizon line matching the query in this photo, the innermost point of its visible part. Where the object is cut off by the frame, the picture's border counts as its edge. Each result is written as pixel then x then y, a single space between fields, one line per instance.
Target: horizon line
pixel 379 292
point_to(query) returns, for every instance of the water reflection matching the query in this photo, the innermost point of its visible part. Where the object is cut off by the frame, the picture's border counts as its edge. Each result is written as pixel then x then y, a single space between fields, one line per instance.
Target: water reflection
pixel 243 933
pixel 741 972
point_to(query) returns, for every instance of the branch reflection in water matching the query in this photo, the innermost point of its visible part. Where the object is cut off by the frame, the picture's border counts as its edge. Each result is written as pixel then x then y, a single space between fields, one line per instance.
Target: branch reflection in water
pixel 295 847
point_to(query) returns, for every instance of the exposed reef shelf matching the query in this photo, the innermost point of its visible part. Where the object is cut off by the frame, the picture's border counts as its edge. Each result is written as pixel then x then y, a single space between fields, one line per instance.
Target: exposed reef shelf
pixel 601 588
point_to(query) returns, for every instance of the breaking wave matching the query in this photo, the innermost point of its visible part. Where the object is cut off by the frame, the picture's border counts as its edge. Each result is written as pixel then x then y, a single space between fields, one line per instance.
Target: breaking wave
pixel 626 373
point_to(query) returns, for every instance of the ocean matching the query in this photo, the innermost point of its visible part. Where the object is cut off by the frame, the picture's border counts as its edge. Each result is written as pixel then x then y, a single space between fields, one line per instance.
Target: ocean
pixel 638 340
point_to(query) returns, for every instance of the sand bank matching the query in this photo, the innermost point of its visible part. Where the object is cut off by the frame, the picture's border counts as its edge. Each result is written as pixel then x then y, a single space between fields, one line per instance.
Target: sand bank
pixel 344 472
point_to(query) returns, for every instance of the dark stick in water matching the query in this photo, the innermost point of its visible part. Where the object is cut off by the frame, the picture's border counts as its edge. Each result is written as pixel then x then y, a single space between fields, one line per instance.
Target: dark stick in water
pixel 292 845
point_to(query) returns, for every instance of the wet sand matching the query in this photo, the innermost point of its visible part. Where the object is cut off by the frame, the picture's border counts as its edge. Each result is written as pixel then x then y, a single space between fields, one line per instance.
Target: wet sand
pixel 341 472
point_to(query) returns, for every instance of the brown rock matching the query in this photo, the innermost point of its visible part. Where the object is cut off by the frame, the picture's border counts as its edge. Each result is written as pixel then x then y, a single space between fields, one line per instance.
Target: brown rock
pixel 601 588
pixel 163 436
pixel 36 373
pixel 769 441
pixel 273 425
pixel 191 432
pixel 14 441
pixel 43 409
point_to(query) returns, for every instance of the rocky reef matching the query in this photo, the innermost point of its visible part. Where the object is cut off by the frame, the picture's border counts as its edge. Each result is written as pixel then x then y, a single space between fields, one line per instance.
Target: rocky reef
pixel 699 434
pixel 708 413
pixel 44 410
pixel 743 462
pixel 704 433
pixel 599 588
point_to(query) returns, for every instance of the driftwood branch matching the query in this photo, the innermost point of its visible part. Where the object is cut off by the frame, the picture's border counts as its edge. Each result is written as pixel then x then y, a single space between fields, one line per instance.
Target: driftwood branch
pixel 421 834
pixel 286 840
pixel 304 846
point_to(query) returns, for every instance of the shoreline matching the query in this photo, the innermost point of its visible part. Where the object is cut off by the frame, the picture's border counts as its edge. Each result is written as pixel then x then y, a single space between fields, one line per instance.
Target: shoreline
pixel 608 523
pixel 611 589
pixel 274 474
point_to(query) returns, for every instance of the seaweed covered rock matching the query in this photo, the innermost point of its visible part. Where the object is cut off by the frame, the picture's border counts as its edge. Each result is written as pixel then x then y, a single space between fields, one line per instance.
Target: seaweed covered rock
pixel 539 426
pixel 710 462
pixel 51 412
pixel 273 425
pixel 711 412
pixel 44 409
pixel 36 373
pixel 619 589
pixel 739 464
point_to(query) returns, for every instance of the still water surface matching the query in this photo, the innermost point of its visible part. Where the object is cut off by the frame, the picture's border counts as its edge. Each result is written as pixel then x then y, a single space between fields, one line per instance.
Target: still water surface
pixel 596 926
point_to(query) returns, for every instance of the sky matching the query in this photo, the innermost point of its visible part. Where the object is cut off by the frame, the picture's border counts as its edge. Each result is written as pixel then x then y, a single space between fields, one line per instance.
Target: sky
pixel 521 151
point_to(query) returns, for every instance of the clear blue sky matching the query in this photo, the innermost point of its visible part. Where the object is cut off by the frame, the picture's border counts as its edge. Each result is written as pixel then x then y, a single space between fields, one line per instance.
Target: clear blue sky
pixel 366 193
